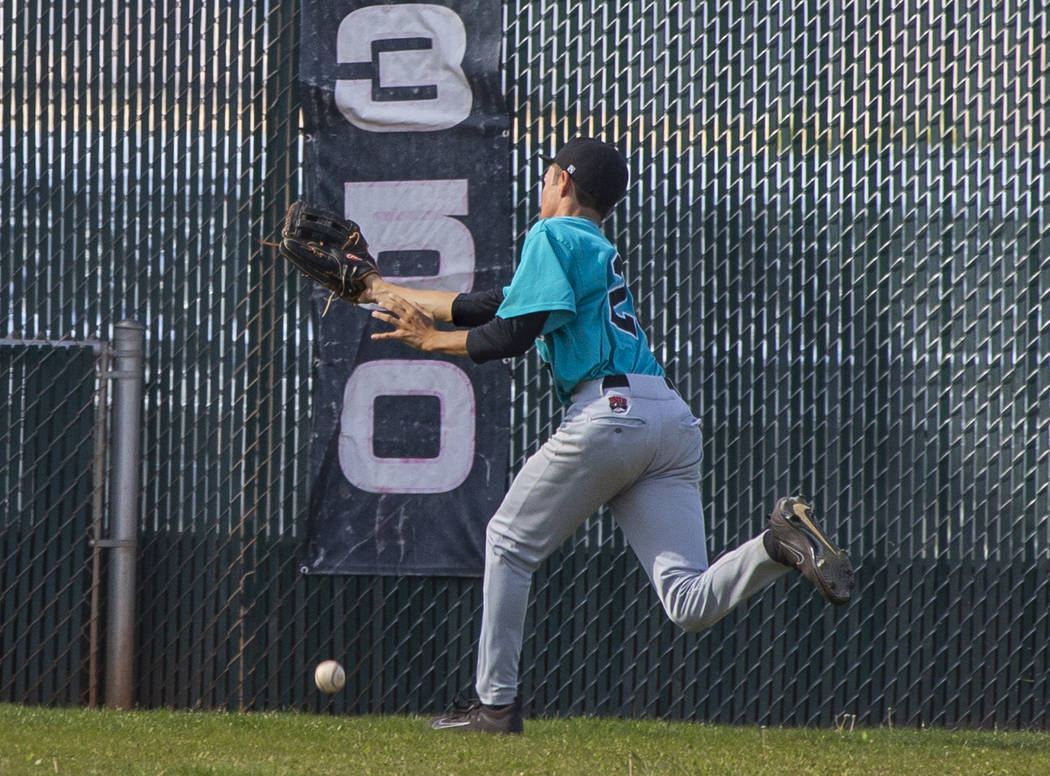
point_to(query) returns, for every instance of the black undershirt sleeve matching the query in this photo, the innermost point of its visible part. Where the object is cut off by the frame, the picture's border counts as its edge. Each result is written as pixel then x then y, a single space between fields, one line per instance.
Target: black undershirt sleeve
pixel 491 337
pixel 505 337
pixel 476 308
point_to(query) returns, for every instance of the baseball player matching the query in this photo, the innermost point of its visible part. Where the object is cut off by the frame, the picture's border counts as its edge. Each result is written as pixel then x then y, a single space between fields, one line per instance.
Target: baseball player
pixel 627 438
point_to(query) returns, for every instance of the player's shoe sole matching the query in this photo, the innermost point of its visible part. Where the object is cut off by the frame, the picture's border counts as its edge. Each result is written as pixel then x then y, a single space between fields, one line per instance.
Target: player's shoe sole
pixel 480 718
pixel 799 542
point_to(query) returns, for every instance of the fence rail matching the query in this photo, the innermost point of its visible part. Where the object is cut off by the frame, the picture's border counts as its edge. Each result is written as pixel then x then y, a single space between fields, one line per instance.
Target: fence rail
pixel 838 236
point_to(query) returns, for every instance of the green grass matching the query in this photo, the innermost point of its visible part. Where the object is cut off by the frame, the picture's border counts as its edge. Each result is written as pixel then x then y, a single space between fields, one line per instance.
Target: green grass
pixel 78 741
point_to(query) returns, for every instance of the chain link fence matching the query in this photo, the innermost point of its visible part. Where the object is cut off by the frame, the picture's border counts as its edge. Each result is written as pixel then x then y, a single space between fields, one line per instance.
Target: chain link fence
pixel 51 438
pixel 838 237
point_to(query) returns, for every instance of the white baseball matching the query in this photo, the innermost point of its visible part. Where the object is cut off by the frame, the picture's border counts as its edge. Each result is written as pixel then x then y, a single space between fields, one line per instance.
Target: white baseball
pixel 329 676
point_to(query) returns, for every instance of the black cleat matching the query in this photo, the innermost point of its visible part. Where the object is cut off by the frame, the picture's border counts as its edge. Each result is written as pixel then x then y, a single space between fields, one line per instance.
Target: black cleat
pixel 795 540
pixel 482 718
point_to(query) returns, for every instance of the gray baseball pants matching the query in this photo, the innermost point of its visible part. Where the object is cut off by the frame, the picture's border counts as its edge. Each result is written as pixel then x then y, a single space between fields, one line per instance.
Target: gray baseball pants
pixel 638 450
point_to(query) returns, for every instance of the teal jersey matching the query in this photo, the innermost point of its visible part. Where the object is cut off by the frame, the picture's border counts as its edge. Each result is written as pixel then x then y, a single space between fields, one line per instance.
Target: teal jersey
pixel 570 269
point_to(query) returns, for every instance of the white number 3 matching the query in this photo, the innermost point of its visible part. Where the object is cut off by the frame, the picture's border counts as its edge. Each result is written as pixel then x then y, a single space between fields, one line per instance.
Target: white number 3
pixel 402 68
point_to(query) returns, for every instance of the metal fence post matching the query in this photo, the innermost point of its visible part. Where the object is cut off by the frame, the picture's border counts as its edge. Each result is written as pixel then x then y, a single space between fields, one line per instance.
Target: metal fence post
pixel 129 345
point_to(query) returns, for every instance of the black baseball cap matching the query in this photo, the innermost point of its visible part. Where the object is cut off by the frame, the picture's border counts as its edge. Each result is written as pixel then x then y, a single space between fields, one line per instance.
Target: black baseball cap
pixel 596 167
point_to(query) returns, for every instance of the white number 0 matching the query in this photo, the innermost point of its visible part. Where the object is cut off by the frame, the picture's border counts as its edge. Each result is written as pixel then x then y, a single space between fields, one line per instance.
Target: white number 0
pixel 367 471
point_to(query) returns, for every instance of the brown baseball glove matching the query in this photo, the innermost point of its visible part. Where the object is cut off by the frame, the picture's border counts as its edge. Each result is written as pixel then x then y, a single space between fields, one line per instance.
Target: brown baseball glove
pixel 327 249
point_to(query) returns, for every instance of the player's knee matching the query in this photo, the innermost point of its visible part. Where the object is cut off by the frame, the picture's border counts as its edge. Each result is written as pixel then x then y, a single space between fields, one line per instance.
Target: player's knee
pixel 504 546
pixel 688 621
pixel 496 536
pixel 688 612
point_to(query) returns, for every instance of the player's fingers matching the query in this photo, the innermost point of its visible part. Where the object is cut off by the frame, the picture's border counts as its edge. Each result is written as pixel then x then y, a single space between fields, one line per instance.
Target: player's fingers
pixel 409 304
pixel 386 317
pixel 392 301
pixel 407 311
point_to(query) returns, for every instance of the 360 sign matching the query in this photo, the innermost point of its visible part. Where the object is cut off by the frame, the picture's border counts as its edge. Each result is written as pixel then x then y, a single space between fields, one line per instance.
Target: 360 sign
pixel 406 130
pixel 401 72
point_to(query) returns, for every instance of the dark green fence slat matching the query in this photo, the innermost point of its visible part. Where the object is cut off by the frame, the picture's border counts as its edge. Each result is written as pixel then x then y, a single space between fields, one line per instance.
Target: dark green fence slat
pixel 45 520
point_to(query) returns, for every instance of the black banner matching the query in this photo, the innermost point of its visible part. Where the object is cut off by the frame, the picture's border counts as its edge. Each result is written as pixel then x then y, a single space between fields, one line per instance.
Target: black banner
pixel 407 135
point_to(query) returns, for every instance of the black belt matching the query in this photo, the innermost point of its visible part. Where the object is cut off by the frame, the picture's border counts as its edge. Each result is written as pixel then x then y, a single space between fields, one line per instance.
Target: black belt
pixel 621 381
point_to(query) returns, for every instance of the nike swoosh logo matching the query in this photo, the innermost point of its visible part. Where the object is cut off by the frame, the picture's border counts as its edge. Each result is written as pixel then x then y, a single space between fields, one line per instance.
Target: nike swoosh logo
pixel 802 512
pixel 442 724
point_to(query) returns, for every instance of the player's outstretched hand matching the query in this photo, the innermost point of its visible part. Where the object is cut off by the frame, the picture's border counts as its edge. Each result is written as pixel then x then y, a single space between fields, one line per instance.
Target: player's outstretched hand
pixel 413 325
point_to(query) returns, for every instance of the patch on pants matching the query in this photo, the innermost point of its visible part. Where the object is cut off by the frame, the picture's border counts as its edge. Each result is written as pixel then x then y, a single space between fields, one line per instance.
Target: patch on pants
pixel 618 404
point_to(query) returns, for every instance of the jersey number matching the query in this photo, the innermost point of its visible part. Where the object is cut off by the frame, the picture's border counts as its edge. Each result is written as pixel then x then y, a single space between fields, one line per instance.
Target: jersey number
pixel 617 296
